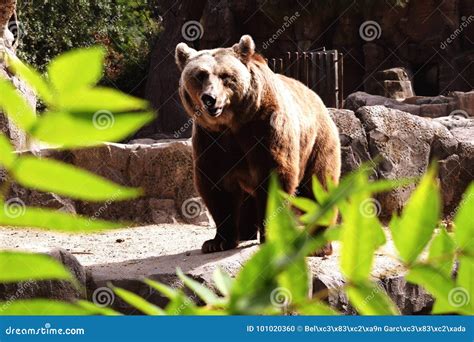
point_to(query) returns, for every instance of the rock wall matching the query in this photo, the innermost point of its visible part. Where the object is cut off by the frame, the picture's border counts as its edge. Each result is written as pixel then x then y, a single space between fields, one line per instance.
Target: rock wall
pixel 432 40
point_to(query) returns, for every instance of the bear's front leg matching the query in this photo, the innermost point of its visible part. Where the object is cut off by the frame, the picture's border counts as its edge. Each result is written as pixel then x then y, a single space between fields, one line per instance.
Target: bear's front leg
pixel 221 204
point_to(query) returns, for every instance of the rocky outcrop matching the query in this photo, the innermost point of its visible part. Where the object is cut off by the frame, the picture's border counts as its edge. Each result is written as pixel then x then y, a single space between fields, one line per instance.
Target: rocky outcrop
pixel 354 146
pixel 50 289
pixel 456 104
pixel 392 83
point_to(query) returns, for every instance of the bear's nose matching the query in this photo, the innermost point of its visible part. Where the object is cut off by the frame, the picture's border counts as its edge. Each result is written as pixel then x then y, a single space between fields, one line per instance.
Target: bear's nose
pixel 208 100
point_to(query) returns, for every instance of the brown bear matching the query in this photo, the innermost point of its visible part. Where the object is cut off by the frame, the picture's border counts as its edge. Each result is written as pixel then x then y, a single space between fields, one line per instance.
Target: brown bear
pixel 249 122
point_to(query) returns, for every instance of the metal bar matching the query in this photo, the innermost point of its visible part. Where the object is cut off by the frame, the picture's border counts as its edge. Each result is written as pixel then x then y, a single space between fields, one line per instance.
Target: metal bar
pixel 341 80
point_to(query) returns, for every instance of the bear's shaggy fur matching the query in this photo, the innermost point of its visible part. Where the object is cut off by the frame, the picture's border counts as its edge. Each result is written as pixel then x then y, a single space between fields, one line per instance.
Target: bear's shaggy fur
pixel 249 122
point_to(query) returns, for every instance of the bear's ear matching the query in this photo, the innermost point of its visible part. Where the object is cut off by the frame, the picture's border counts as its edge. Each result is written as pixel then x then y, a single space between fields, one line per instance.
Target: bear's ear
pixel 245 48
pixel 182 54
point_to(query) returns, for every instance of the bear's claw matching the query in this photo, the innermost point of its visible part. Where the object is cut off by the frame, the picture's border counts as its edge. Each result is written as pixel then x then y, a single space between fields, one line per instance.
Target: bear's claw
pixel 217 245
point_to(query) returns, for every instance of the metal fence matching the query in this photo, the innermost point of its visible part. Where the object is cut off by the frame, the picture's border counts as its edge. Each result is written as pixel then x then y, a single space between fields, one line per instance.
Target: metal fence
pixel 322 71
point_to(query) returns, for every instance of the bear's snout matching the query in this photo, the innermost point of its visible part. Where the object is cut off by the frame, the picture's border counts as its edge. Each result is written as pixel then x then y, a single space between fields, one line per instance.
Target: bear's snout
pixel 209 102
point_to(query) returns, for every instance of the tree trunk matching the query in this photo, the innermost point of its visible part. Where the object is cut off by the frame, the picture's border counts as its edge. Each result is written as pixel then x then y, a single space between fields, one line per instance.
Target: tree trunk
pixel 7 8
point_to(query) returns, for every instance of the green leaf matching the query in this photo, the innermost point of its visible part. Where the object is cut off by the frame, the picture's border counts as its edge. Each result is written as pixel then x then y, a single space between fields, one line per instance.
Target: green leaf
pixel 441 252
pixel 384 185
pixel 222 281
pixel 16 106
pixel 436 283
pixel 182 305
pixel 318 191
pixel 419 219
pixel 336 197
pixel 97 310
pixel 88 129
pixel 463 295
pixel 76 69
pixel 464 222
pixel 41 307
pixel 282 232
pixel 315 309
pixel 7 155
pixel 361 235
pixel 254 283
pixel 138 302
pixel 19 267
pixel 32 77
pixel 167 291
pixel 98 100
pixel 48 219
pixel 67 180
pixel 302 203
pixel 200 290
pixel 371 299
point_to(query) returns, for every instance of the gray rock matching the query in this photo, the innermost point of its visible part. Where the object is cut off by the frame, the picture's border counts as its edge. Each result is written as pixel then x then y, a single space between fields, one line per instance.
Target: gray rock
pixel 354 147
pixel 392 83
pixel 50 289
pixel 361 99
pixel 404 143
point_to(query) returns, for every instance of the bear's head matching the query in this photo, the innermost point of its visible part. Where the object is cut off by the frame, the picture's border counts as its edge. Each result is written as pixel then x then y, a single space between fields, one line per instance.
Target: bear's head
pixel 215 84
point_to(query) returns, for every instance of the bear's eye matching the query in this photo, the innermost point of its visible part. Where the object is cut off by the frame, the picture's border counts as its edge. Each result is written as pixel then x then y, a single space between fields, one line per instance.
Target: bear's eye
pixel 225 76
pixel 201 76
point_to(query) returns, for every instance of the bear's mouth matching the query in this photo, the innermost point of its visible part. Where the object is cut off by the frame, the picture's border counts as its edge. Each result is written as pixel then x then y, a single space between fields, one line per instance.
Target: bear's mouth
pixel 215 111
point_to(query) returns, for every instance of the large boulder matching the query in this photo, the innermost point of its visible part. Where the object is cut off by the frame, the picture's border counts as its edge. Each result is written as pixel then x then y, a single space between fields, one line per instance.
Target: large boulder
pixel 393 83
pixel 405 145
pixel 457 171
pixel 361 99
pixel 50 289
pixel 163 169
pixel 354 147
